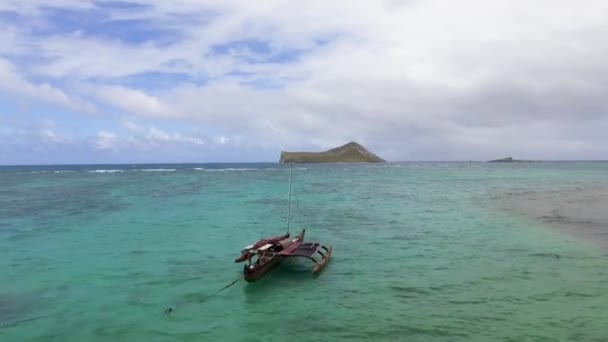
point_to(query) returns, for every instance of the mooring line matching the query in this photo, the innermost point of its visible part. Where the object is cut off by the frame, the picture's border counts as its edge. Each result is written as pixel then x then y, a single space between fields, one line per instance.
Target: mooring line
pixel 169 310
pixel 12 324
pixel 220 290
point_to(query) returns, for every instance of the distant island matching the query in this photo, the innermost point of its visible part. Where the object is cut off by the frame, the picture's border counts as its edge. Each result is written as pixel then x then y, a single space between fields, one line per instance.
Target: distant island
pixel 349 153
pixel 508 160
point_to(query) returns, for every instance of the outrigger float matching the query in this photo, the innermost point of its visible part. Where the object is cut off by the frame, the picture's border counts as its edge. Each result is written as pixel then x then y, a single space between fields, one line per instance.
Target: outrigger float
pixel 264 255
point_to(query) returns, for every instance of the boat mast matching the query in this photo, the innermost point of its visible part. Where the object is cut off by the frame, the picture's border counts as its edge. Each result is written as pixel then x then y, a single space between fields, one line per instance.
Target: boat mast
pixel 289 197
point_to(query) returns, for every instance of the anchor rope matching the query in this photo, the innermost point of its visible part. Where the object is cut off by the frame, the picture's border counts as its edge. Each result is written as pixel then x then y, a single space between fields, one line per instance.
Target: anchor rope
pixel 13 324
pixel 169 310
pixel 220 290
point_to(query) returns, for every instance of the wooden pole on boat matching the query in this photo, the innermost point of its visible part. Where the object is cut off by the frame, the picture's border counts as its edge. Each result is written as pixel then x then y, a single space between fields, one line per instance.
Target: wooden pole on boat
pixel 289 197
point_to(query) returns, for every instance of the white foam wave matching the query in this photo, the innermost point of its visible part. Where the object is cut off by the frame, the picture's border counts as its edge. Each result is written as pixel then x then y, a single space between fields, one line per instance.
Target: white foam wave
pixel 223 170
pixel 156 170
pixel 64 171
pixel 105 171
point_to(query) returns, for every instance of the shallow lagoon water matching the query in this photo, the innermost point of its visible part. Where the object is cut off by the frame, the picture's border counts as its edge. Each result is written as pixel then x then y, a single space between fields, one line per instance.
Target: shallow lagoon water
pixel 422 252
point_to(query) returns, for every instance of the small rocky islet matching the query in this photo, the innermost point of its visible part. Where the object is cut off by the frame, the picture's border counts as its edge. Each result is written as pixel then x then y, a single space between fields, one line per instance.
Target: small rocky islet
pixel 351 152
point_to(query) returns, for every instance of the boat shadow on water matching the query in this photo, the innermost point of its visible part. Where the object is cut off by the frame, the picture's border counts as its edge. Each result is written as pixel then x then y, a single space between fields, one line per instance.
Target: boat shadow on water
pixel 287 276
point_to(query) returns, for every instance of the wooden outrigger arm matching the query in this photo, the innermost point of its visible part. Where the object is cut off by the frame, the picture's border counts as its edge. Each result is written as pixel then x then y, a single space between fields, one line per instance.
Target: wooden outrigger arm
pixel 310 250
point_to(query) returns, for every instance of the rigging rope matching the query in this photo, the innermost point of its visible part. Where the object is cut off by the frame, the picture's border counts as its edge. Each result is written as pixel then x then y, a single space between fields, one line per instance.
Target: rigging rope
pixel 298 212
pixel 289 197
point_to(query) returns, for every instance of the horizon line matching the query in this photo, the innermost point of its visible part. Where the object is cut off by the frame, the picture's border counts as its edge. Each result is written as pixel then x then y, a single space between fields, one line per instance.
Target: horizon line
pixel 274 162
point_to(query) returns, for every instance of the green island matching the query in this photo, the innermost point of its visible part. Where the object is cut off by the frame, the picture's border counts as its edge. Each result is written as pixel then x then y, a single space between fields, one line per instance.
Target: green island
pixel 348 153
pixel 509 160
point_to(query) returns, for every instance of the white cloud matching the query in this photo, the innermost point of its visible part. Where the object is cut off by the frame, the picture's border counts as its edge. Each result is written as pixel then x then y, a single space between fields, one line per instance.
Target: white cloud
pixel 49 135
pixel 157 134
pixel 106 140
pixel 131 100
pixel 418 75
pixel 14 83
pixel 147 137
pixel 221 140
pixel 43 137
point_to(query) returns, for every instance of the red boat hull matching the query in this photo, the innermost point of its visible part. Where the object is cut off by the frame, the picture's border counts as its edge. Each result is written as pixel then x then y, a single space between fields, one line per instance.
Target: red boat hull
pixel 260 271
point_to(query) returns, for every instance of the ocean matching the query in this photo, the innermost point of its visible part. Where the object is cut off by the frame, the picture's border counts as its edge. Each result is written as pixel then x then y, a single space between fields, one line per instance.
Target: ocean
pixel 422 251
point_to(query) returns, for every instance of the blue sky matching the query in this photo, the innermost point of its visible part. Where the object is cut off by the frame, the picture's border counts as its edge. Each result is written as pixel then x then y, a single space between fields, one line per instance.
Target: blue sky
pixel 85 81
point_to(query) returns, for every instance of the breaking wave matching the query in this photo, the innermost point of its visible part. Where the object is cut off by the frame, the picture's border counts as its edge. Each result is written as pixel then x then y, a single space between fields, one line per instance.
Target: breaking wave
pixel 105 171
pixel 222 170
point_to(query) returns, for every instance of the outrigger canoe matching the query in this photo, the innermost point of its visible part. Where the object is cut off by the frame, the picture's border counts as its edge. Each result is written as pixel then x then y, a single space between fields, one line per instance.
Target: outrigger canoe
pixel 264 255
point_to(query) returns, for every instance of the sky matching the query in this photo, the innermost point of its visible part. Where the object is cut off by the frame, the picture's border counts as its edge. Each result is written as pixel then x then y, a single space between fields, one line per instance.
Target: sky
pixel 238 81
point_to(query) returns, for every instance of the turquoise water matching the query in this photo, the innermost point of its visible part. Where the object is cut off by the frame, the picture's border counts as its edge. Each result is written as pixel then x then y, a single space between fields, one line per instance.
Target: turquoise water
pixel 421 253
